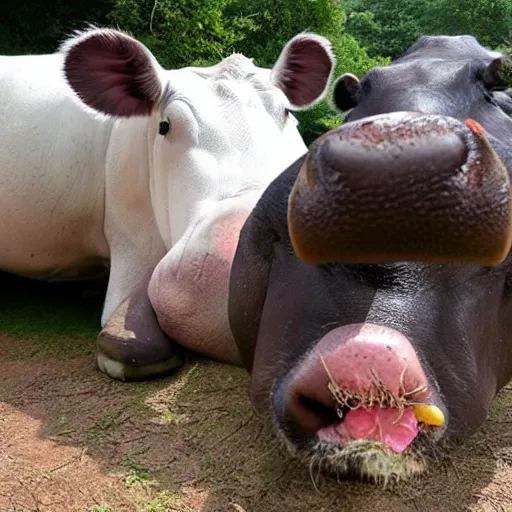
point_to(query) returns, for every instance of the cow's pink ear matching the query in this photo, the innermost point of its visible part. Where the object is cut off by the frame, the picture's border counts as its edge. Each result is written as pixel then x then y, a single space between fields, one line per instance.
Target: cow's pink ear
pixel 112 73
pixel 303 70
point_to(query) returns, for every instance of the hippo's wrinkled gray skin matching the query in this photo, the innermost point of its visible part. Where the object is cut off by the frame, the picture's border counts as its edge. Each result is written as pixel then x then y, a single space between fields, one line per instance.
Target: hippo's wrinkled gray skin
pixel 374 274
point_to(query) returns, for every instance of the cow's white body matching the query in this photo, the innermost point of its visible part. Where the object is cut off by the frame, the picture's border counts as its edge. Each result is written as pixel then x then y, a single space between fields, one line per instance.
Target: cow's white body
pixel 81 191
pixel 52 184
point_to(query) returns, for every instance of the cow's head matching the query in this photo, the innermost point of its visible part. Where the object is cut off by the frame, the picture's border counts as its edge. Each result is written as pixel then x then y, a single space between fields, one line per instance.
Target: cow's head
pixel 213 131
pixel 379 322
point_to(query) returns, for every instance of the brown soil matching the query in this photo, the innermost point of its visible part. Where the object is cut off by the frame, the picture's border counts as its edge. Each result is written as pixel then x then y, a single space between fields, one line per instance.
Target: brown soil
pixel 73 440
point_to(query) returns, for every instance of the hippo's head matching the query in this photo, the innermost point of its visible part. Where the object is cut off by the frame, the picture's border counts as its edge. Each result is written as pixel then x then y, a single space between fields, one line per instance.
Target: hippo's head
pixel 371 293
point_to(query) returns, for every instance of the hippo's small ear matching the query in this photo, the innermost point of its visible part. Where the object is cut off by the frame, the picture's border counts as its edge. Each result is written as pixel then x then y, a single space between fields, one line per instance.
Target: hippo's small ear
pixel 498 74
pixel 346 92
pixel 303 70
pixel 112 73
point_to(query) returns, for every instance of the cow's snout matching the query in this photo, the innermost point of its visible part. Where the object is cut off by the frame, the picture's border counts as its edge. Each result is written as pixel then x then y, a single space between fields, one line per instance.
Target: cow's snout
pixel 402 187
pixel 360 382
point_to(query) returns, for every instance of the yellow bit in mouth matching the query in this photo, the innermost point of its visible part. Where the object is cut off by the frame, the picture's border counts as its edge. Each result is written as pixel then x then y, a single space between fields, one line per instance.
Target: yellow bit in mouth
pixel 429 414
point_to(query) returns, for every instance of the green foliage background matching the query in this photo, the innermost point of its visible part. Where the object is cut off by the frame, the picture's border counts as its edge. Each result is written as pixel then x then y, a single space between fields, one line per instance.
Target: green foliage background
pixel 364 33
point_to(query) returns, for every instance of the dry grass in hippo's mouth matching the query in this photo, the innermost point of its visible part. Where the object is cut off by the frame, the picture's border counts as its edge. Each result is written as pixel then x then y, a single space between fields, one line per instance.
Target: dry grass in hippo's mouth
pixel 73 440
pixel 380 436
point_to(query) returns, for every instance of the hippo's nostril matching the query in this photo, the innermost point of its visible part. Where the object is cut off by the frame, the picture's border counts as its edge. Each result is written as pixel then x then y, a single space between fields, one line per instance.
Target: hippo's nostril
pixel 317 407
pixel 312 415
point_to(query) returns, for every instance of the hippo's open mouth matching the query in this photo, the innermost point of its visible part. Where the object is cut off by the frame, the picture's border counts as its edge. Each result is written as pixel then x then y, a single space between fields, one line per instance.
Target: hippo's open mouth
pixel 394 429
pixel 377 440
pixel 360 402
pixel 379 415
pixel 375 435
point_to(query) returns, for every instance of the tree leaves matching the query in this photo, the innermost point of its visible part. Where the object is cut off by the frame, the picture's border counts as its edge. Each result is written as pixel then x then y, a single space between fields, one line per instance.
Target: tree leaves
pixel 364 33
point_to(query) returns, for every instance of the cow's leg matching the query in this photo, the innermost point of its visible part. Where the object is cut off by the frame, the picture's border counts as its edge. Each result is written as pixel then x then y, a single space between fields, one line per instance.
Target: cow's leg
pixel 132 345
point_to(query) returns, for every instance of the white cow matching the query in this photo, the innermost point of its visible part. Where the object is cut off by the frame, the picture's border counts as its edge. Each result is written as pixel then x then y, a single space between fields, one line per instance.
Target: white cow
pixel 152 174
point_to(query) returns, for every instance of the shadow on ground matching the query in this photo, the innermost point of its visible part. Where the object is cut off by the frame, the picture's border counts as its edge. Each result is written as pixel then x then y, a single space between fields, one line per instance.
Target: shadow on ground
pixel 73 440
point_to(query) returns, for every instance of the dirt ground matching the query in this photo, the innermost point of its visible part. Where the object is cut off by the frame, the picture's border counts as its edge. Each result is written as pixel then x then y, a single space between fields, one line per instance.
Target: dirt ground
pixel 73 440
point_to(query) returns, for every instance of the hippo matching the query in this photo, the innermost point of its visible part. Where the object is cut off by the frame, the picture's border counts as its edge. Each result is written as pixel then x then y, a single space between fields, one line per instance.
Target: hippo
pixel 110 164
pixel 371 289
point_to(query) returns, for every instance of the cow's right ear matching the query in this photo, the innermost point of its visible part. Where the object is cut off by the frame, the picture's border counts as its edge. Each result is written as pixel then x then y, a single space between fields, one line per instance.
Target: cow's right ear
pixel 303 70
pixel 346 92
pixel 112 73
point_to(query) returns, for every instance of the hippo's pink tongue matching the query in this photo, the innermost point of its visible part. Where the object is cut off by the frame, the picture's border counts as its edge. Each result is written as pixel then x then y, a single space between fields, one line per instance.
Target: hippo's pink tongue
pixel 384 425
pixel 375 424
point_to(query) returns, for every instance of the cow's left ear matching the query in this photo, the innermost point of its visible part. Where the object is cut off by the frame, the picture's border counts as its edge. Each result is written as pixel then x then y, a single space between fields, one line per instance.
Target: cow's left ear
pixel 112 73
pixel 303 70
pixel 497 75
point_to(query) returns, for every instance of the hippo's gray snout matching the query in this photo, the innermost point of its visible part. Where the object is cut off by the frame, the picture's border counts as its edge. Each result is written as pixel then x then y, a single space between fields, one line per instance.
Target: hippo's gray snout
pixel 402 187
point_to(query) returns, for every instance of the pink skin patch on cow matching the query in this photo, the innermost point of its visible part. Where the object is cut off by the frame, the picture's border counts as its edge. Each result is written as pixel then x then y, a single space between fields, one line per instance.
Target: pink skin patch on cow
pixel 212 266
pixel 189 289
pixel 226 233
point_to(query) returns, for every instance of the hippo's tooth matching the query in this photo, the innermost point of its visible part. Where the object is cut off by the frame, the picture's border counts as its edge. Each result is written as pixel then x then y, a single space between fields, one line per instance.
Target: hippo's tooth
pixel 429 414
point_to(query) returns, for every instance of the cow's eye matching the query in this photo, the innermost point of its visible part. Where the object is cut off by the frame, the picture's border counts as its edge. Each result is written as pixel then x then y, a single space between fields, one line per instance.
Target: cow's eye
pixel 164 127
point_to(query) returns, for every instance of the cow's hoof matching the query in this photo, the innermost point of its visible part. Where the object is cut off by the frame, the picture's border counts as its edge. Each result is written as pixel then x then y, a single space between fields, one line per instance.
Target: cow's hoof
pixel 131 359
pixel 132 345
pixel 122 371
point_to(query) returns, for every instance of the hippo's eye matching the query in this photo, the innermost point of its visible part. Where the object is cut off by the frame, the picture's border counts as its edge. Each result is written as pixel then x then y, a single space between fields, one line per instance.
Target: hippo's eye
pixel 497 76
pixel 164 127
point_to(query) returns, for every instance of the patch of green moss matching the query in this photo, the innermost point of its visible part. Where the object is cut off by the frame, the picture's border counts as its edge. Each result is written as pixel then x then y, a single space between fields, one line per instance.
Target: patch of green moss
pixel 41 347
pixel 163 502
pixel 5 390
pixel 137 477
pixel 99 508
pixel 58 426
pixel 29 307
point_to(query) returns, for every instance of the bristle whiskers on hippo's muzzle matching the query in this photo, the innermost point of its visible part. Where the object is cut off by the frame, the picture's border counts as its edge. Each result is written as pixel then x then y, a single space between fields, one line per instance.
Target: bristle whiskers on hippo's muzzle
pixel 402 187
pixel 361 402
pixel 368 460
pixel 377 394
